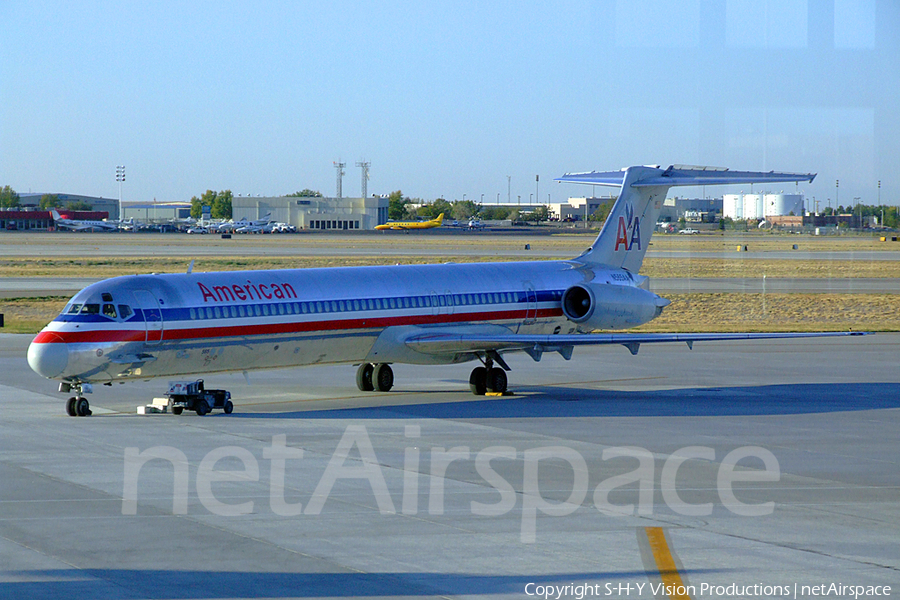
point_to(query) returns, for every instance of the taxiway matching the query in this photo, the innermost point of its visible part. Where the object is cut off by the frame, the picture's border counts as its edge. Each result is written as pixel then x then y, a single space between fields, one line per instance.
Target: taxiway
pixel 440 494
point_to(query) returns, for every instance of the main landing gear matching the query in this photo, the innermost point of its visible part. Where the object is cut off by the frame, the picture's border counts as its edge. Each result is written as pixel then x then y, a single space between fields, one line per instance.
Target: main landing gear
pixel 374 377
pixel 488 379
pixel 77 405
pixel 483 380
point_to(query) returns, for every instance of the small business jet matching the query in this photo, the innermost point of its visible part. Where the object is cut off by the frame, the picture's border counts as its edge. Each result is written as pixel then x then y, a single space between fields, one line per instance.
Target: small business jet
pixel 435 222
pixel 144 326
pixel 242 225
pixel 84 225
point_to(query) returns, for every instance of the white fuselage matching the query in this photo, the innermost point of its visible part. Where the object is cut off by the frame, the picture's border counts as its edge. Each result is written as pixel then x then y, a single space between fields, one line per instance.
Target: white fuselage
pixel 163 325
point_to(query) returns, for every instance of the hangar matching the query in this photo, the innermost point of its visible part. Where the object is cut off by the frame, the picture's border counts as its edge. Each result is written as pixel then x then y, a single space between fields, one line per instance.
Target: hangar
pixel 314 212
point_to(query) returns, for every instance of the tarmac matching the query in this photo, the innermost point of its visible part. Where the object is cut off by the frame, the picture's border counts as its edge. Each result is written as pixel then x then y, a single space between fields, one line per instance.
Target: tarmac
pixel 609 473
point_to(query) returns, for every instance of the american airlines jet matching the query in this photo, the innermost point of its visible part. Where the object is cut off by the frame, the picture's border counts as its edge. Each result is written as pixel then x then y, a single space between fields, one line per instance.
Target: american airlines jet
pixel 144 326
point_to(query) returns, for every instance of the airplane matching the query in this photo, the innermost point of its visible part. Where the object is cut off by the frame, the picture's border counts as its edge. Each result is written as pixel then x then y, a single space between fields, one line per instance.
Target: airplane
pixel 166 325
pixel 245 225
pixel 476 224
pixel 84 225
pixel 405 225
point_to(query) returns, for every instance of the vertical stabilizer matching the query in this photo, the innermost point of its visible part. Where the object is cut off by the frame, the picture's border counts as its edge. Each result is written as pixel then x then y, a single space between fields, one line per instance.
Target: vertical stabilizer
pixel 625 235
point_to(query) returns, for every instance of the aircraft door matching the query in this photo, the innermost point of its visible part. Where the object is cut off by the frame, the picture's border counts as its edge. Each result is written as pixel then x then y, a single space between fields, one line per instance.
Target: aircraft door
pixel 530 304
pixel 153 321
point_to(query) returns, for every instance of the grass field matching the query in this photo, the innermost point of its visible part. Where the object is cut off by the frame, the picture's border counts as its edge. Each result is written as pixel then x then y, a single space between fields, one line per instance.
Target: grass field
pixel 688 312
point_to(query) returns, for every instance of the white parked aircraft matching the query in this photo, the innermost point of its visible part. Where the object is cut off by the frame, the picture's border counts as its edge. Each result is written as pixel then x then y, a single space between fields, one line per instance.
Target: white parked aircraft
pixel 242 223
pixel 143 326
pixel 84 225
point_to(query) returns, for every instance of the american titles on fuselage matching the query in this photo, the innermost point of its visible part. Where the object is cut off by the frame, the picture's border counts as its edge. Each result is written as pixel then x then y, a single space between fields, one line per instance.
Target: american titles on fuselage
pixel 234 292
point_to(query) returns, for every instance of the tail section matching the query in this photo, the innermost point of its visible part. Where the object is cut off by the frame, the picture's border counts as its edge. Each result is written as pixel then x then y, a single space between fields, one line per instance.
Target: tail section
pixel 439 220
pixel 625 235
pixel 55 215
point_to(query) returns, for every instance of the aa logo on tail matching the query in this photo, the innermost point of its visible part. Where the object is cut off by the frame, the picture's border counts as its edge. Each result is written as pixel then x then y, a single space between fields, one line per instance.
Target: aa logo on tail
pixel 628 233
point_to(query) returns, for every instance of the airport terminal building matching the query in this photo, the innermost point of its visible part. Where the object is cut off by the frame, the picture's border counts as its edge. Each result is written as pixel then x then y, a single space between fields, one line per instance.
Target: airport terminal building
pixel 314 212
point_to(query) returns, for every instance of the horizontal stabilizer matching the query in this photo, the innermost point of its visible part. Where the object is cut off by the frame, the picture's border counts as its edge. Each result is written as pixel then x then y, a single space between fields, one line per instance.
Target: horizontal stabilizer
pixel 680 175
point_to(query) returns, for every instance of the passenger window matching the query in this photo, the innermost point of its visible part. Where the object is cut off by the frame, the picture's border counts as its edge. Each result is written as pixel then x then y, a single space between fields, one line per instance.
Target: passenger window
pixel 341 305
pixel 109 310
pixel 242 311
pixel 218 312
pixel 193 312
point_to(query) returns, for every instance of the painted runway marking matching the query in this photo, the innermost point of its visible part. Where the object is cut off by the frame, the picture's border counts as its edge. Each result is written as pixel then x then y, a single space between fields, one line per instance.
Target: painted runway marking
pixel 665 563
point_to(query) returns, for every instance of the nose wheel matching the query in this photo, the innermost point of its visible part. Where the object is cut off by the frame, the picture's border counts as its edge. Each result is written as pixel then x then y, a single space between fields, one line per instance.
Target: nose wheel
pixel 78 407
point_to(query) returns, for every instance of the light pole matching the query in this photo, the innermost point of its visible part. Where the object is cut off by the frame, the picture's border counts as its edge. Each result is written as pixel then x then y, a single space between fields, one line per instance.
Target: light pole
pixel 859 210
pixel 120 177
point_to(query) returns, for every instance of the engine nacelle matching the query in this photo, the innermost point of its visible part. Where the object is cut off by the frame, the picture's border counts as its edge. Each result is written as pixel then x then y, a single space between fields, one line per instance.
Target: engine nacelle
pixel 610 306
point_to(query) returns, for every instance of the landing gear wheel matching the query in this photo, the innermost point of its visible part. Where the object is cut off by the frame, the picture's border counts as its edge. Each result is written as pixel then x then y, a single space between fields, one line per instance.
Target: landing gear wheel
pixel 228 407
pixel 82 407
pixel 383 377
pixel 364 377
pixel 478 381
pixel 202 408
pixel 70 407
pixel 177 410
pixel 496 380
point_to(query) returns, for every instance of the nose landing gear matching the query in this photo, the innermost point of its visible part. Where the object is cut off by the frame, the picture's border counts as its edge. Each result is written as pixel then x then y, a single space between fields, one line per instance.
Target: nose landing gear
pixel 78 405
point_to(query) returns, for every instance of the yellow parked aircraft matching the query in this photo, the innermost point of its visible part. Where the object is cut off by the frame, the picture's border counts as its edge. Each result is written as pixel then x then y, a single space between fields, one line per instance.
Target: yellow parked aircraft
pixel 436 222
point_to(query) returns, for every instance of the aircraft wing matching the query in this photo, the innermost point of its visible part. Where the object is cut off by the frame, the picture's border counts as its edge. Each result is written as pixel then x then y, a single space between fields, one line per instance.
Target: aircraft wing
pixel 449 343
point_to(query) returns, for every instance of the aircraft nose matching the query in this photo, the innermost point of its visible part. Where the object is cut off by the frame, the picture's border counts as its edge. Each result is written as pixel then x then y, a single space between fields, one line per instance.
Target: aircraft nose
pixel 48 359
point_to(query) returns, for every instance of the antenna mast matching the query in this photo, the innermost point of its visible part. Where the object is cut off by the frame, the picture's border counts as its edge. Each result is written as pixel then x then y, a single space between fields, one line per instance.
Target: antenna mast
pixel 364 165
pixel 339 166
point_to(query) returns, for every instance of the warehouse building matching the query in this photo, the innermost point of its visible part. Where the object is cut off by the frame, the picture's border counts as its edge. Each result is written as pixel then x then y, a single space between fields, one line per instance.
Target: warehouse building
pixel 110 206
pixel 314 212
pixel 156 212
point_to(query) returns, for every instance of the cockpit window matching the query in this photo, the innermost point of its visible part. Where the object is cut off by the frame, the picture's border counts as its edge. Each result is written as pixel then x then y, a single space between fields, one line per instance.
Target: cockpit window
pixel 124 311
pixel 107 297
pixel 109 310
pixel 90 309
pixel 74 309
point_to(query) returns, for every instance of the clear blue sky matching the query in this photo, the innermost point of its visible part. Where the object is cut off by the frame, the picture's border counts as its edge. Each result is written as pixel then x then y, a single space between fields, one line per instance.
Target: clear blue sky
pixel 444 98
